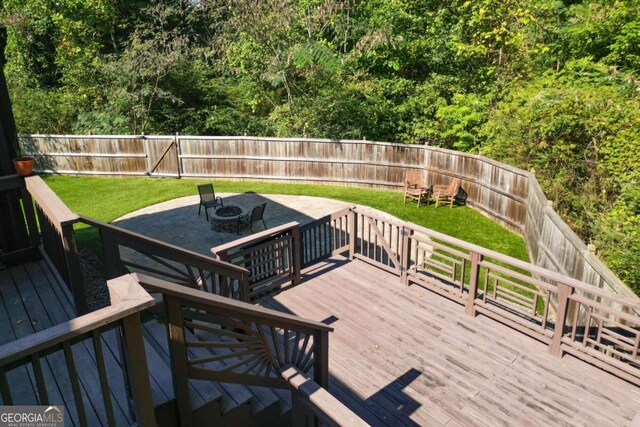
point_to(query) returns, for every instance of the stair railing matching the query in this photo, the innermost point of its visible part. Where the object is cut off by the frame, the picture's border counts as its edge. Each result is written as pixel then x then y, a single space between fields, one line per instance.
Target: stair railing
pixel 312 405
pixel 219 339
pixel 126 251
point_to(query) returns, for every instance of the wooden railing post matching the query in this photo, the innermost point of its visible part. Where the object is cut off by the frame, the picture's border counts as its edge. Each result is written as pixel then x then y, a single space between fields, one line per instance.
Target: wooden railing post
pixel 406 254
pixel 178 353
pixel 474 278
pixel 321 359
pixel 137 370
pixel 564 292
pixel 72 262
pixel 298 410
pixel 245 291
pixel 297 255
pixel 30 215
pixel 111 254
pixel 353 233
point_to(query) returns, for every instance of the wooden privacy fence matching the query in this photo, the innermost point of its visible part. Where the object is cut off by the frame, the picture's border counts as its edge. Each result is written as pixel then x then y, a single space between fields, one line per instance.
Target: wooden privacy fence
pixel 568 315
pixel 507 194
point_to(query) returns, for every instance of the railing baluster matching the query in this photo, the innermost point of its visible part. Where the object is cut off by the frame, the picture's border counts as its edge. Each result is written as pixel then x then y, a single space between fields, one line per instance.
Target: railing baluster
pixel 5 391
pixel 564 292
pixel 405 254
pixel 138 372
pixel 75 384
pixel 104 379
pixel 286 346
pixel 43 395
pixel 178 353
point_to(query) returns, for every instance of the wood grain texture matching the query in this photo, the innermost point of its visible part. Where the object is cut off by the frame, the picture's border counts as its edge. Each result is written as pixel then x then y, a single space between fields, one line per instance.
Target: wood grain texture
pixel 405 356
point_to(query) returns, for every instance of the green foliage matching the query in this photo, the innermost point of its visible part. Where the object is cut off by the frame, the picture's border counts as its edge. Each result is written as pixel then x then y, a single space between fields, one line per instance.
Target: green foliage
pixel 579 129
pixel 107 199
pixel 460 122
pixel 546 85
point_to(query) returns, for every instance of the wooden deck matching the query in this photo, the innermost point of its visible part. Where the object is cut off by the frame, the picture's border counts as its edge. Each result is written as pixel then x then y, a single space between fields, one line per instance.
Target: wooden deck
pixel 32 299
pixel 406 356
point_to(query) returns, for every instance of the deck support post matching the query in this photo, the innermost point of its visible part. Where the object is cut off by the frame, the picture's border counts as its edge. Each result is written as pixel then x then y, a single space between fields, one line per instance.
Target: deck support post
pixel 406 254
pixel 321 359
pixel 137 370
pixel 178 354
pixel 111 255
pixel 474 278
pixel 353 233
pixel 72 262
pixel 564 292
pixel 296 255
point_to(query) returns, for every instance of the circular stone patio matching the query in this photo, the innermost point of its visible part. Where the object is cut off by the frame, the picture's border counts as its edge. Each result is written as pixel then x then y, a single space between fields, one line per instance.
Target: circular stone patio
pixel 177 222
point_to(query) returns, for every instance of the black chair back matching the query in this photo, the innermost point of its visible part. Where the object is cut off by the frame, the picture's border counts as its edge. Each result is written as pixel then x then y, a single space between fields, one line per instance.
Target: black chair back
pixel 206 192
pixel 258 212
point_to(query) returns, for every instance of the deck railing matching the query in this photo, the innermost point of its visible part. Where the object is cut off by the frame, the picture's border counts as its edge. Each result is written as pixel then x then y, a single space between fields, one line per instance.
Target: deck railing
pixel 218 339
pixel 126 252
pixel 56 223
pixel 272 257
pixel 313 406
pixel 49 360
pixel 325 237
pixel 568 315
pixel 275 257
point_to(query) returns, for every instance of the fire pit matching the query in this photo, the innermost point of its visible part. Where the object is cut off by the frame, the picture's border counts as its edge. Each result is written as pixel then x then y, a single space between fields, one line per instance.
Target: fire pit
pixel 225 219
pixel 229 211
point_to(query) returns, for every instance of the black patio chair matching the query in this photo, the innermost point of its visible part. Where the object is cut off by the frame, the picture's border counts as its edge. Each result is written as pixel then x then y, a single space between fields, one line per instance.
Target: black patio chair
pixel 208 199
pixel 255 215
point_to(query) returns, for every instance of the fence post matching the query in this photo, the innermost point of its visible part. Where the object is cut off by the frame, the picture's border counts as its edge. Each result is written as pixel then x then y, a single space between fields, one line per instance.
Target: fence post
pixel 564 292
pixel 137 370
pixel 178 353
pixel 474 278
pixel 321 359
pixel 72 262
pixel 353 233
pixel 406 254
pixel 297 255
pixel 176 141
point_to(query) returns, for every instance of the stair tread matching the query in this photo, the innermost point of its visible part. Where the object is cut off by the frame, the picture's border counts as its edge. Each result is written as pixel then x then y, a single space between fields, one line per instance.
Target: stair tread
pixel 236 394
pixel 200 392
pixel 230 395
pixel 264 396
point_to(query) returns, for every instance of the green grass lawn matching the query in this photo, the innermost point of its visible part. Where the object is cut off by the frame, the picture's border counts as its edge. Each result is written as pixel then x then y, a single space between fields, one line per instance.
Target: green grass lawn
pixel 107 199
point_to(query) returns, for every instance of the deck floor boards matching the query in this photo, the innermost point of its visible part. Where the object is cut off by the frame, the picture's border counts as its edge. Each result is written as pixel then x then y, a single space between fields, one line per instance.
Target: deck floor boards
pixel 407 356
pixel 33 300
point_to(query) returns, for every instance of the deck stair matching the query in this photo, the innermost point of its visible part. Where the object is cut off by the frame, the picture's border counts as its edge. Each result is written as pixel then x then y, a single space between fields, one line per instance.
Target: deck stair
pixel 217 404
